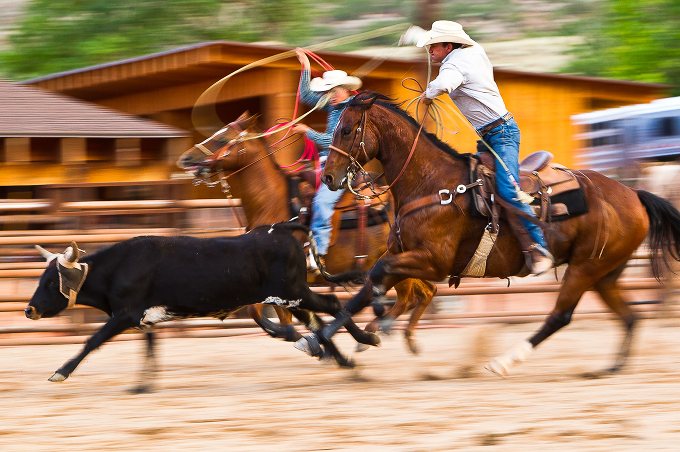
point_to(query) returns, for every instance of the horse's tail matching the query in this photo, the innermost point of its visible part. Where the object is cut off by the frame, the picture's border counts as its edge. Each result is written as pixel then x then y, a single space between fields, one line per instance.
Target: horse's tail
pixel 356 276
pixel 664 230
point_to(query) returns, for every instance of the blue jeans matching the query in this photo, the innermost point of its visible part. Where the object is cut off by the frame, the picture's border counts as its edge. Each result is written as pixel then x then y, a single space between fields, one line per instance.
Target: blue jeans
pixel 504 140
pixel 322 211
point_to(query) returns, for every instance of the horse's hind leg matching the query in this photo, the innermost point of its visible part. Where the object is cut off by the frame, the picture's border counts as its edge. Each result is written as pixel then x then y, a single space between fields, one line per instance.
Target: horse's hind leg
pixel 313 348
pixel 610 292
pixel 406 295
pixel 285 330
pixel 576 282
pixel 286 321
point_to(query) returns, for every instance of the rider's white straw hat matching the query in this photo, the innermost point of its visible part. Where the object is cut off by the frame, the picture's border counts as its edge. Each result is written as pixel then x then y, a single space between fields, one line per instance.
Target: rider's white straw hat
pixel 445 31
pixel 331 79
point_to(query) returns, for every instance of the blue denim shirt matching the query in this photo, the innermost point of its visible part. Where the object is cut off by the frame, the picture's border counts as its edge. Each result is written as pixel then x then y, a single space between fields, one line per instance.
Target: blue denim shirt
pixel 308 97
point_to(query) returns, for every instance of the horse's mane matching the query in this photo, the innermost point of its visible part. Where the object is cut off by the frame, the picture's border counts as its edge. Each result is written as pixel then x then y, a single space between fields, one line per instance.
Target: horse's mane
pixel 265 142
pixel 367 98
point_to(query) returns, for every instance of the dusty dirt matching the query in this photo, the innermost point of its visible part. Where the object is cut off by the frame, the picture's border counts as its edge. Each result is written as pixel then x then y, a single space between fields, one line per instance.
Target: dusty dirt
pixel 259 394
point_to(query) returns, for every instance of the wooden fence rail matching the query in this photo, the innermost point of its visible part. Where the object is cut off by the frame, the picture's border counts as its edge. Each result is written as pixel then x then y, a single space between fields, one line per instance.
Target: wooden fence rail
pixel 16 330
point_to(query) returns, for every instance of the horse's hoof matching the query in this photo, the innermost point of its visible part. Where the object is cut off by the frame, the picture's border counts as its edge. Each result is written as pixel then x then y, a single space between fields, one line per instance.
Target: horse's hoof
pixel 291 334
pixel 309 344
pixel 497 368
pixel 57 377
pixel 386 324
pixel 412 346
pixel 141 389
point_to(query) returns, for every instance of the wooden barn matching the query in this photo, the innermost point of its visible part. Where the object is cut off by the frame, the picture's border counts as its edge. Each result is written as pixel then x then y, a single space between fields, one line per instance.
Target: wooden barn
pixel 56 149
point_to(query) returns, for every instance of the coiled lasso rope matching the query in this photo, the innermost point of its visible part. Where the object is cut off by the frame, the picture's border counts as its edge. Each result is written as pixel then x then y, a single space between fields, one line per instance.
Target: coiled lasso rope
pixel 205 112
pixel 439 107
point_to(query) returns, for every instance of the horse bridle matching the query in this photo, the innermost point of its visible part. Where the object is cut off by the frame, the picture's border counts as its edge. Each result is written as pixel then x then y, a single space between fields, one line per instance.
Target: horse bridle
pixel 355 166
pixel 361 129
pixel 215 157
pixel 240 138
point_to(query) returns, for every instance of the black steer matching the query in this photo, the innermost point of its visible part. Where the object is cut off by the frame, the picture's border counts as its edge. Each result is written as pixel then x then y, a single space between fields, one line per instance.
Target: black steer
pixel 150 279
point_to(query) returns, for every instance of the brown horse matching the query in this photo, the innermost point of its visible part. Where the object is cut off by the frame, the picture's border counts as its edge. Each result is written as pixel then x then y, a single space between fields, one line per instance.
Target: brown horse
pixel 265 196
pixel 438 240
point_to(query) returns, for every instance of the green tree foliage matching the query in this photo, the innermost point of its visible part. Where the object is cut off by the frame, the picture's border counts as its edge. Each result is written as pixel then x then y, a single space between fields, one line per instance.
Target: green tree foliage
pixel 60 35
pixel 635 40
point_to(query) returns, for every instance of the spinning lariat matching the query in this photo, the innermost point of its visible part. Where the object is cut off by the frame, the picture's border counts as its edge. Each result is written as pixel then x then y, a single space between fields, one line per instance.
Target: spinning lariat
pixel 438 111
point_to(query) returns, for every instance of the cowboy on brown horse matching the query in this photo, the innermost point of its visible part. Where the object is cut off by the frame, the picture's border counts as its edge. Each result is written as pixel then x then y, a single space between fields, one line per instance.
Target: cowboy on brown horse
pixel 337 85
pixel 466 75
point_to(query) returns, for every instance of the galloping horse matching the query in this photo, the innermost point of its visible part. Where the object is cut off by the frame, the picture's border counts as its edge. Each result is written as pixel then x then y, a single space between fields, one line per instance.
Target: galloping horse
pixel 436 240
pixel 265 196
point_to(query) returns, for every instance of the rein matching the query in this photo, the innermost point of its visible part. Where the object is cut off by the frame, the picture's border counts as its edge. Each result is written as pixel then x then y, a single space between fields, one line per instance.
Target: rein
pixel 354 163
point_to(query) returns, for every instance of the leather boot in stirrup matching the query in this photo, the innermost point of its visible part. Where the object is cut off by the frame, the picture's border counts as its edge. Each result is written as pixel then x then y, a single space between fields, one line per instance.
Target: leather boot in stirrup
pixel 539 260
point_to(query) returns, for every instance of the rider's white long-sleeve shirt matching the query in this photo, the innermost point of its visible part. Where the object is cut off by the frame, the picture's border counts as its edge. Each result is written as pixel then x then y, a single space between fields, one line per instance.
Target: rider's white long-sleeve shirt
pixel 466 75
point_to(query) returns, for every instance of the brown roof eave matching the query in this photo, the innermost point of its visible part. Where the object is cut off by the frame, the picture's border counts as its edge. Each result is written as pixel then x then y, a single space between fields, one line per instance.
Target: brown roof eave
pixel 88 135
pixel 268 50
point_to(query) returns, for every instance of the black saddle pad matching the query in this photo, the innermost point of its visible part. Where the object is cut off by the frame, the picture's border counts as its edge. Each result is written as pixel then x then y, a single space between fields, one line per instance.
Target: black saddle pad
pixel 575 200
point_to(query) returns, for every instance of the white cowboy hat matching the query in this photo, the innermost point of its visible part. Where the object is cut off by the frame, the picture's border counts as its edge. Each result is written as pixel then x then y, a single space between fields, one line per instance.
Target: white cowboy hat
pixel 445 31
pixel 331 79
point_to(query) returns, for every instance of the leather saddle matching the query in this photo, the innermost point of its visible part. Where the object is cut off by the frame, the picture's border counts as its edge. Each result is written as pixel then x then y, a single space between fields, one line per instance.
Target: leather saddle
pixel 556 191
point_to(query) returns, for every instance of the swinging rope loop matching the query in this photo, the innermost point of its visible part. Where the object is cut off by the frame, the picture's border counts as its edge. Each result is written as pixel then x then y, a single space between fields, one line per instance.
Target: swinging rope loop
pixel 205 105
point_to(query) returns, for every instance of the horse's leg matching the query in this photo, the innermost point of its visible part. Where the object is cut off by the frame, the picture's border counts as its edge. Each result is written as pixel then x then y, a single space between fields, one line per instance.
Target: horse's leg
pixel 149 371
pixel 286 321
pixel 329 303
pixel 385 274
pixel 405 300
pixel 284 331
pixel 313 348
pixel 424 291
pixel 405 293
pixel 576 282
pixel 610 292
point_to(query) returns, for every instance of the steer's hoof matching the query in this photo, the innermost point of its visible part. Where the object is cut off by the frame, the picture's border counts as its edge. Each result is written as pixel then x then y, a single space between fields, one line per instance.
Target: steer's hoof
pixel 496 367
pixel 309 344
pixel 362 347
pixel 57 377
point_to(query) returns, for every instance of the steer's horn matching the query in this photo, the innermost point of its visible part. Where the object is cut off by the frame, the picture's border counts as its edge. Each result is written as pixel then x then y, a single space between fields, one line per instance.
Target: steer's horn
pixel 72 253
pixel 44 253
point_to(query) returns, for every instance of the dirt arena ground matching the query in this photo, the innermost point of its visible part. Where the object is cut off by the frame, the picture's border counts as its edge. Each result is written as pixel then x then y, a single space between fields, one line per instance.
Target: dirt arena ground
pixel 259 394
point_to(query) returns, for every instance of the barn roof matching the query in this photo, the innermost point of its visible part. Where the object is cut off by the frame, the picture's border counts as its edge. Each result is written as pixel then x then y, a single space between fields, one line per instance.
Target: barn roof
pixel 28 111
pixel 215 59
